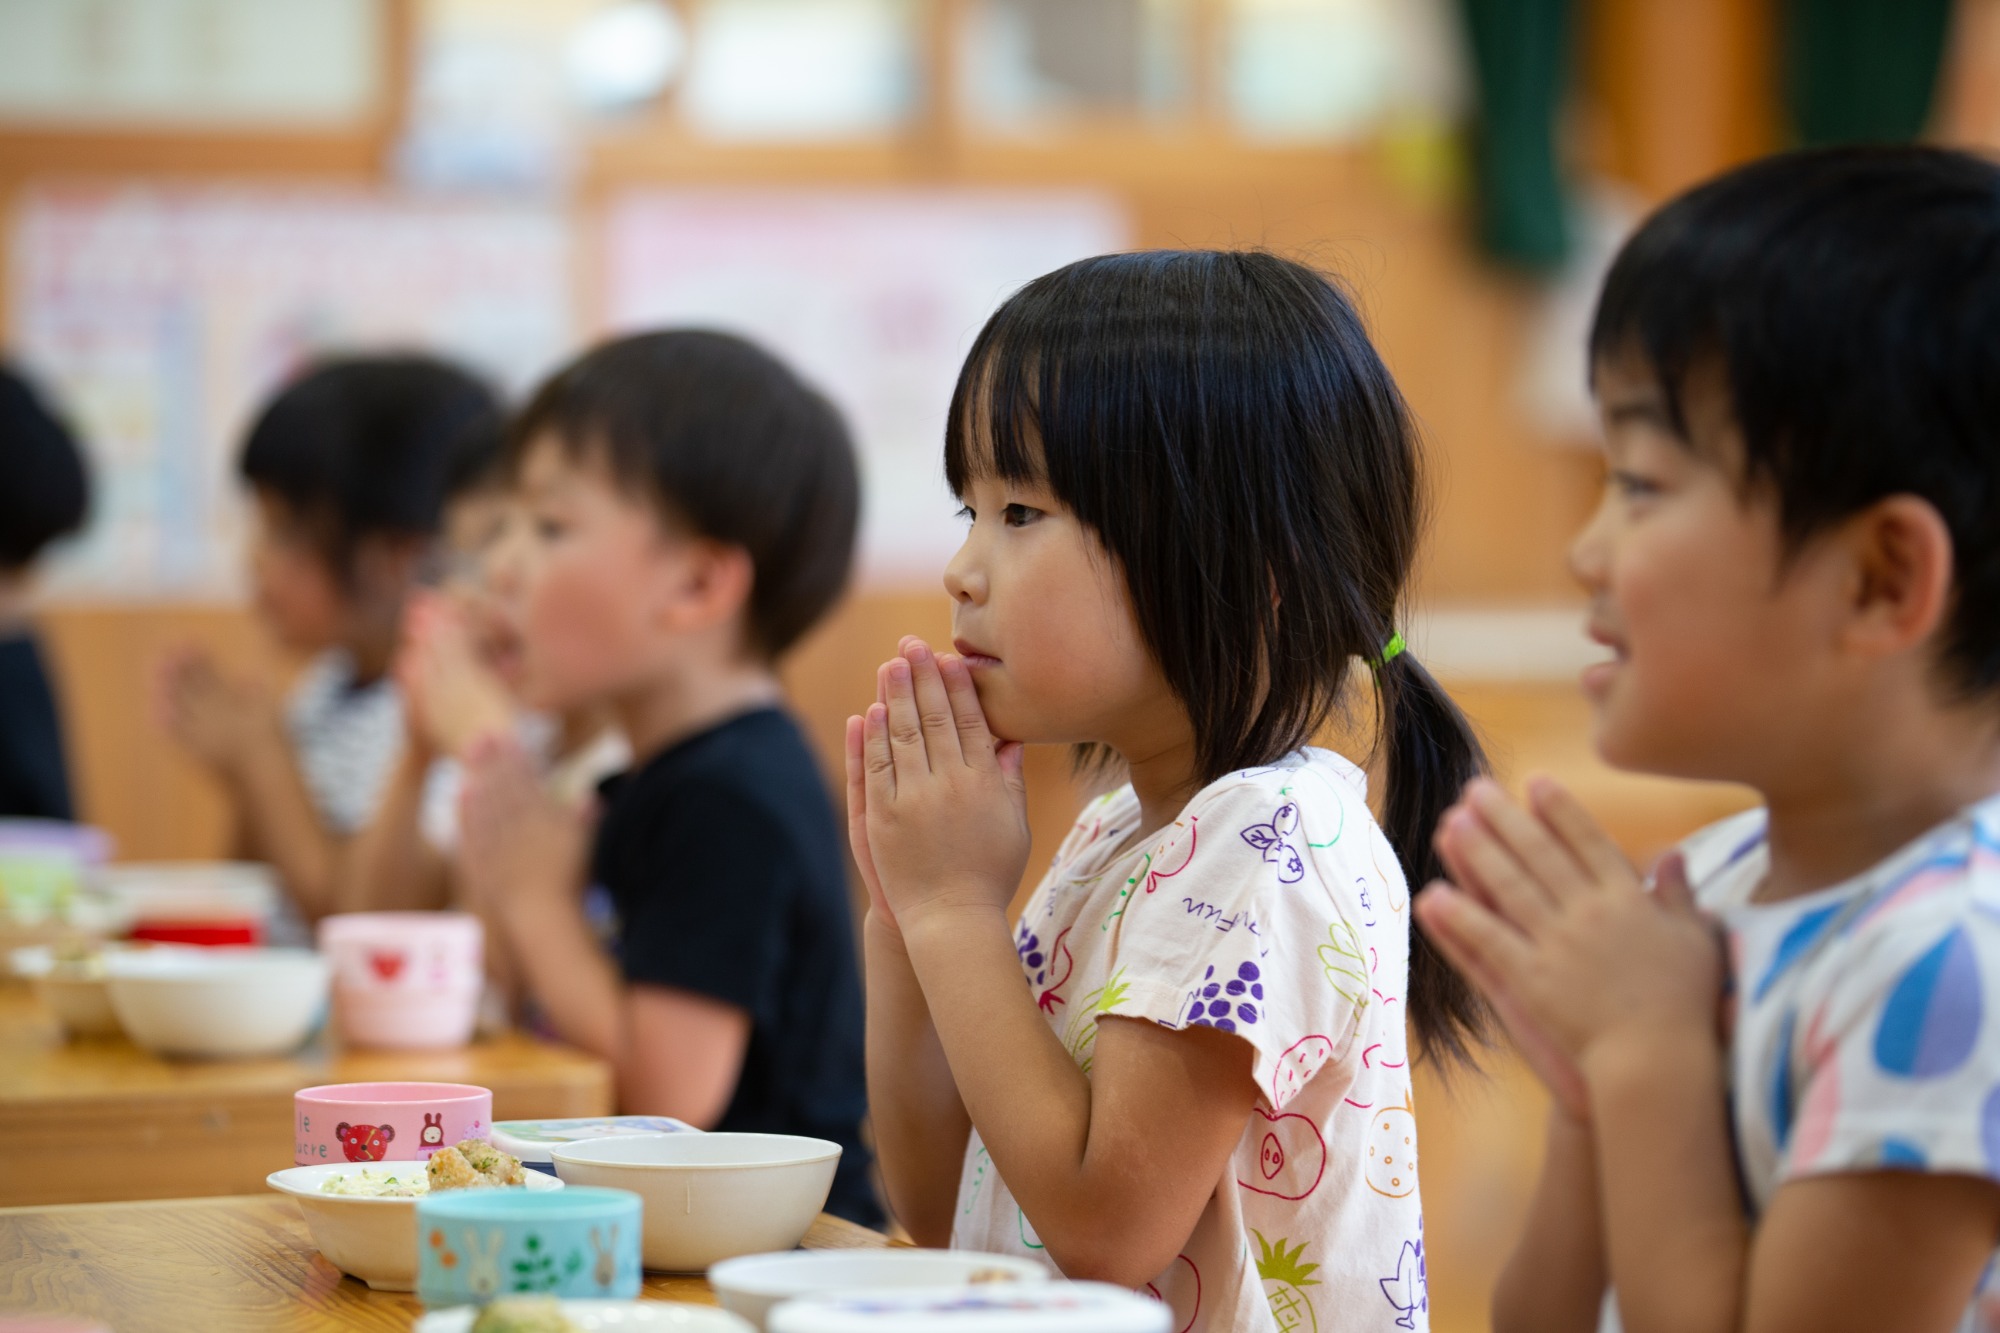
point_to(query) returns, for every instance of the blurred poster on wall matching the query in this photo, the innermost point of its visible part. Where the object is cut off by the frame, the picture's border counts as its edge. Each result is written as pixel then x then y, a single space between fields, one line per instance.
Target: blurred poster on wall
pixel 161 317
pixel 875 296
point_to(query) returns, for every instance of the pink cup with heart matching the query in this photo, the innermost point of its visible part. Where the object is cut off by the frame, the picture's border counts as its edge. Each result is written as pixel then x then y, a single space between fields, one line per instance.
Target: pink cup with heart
pixel 386 1122
pixel 405 980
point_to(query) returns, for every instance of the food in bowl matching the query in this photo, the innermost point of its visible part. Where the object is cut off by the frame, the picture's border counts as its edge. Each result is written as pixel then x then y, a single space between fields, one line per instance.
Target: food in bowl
pixel 472 1164
pixel 217 1003
pixel 367 1184
pixel 368 1234
pixel 710 1197
pixel 755 1284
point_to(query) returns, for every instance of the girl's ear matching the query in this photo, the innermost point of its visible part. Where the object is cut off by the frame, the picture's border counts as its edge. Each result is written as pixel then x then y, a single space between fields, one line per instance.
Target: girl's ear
pixel 710 585
pixel 1902 575
pixel 385 565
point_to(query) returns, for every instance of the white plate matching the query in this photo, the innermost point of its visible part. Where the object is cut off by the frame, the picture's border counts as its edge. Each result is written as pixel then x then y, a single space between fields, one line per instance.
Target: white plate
pixel 755 1284
pixel 593 1315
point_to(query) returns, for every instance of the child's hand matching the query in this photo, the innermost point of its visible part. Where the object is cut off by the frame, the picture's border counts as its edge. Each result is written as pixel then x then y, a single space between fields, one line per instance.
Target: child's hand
pixel 517 842
pixel 452 697
pixel 1550 1063
pixel 1555 927
pixel 936 807
pixel 219 720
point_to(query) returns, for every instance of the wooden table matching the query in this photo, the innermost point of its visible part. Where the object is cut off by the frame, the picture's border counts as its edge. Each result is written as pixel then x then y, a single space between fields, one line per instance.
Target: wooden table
pixel 220 1265
pixel 99 1119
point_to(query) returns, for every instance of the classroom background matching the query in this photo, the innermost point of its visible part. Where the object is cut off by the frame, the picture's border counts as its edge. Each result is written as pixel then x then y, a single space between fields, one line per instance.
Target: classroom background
pixel 197 196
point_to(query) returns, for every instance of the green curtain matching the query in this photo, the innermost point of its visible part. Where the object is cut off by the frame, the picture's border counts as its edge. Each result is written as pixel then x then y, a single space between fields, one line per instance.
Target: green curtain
pixel 1862 71
pixel 1521 64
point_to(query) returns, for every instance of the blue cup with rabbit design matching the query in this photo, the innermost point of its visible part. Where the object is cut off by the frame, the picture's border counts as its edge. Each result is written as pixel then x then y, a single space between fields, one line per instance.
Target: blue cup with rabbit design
pixel 474 1245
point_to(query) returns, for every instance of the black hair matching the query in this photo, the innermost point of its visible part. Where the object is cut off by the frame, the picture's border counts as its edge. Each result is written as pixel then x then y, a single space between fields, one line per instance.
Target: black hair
pixel 1850 300
pixel 44 484
pixel 360 447
pixel 477 462
pixel 725 438
pixel 1221 422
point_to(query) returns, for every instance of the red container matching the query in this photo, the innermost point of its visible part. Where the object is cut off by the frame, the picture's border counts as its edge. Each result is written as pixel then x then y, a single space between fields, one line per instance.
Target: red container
pixel 200 932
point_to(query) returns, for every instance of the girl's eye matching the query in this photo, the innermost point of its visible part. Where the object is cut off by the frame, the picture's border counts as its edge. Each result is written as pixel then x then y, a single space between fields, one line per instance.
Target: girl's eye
pixel 965 513
pixel 1019 516
pixel 549 529
pixel 1633 486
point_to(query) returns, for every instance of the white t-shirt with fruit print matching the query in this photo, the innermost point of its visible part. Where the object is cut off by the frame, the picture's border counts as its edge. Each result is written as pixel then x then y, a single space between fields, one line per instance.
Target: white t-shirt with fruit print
pixel 1272 908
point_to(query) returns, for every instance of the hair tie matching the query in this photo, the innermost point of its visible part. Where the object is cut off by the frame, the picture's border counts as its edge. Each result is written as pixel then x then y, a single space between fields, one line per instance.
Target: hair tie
pixel 1391 650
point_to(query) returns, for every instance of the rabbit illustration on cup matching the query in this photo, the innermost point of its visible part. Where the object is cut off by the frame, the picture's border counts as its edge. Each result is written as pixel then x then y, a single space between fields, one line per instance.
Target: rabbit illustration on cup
pixel 482 1263
pixel 607 1256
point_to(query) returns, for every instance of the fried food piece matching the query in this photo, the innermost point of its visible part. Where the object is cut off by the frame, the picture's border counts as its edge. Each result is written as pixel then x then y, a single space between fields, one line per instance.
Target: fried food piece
pixel 494 1166
pixel 472 1164
pixel 448 1170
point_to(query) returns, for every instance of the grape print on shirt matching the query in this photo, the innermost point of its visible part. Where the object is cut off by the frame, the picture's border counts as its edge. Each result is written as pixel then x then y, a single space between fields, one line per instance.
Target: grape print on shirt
pixel 1271 909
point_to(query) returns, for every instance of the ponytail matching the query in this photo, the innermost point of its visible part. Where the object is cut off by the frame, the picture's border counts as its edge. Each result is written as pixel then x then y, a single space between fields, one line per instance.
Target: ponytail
pixel 1432 753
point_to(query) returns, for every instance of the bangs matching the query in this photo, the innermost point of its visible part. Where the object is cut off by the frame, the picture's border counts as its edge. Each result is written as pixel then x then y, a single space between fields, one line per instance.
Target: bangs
pixel 995 427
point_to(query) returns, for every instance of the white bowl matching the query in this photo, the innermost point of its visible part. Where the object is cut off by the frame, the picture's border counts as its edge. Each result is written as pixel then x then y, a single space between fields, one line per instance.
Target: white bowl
pixel 592 1316
pixel 218 1002
pixel 754 1284
pixel 709 1197
pixel 372 1239
pixel 1043 1307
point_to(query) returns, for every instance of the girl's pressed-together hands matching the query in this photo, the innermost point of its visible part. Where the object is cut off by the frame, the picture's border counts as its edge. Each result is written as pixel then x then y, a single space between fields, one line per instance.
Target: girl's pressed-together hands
pixel 1556 928
pixel 937 808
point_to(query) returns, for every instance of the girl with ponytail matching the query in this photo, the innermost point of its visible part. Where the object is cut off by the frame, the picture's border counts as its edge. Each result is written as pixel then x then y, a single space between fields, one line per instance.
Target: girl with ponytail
pixel 1193 496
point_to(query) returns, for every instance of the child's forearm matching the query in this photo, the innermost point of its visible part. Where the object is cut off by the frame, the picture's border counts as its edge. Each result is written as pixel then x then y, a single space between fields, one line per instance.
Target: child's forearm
pixel 1031 1102
pixel 1675 1233
pixel 278 819
pixel 389 864
pixel 921 1127
pixel 573 980
pixel 1554 1280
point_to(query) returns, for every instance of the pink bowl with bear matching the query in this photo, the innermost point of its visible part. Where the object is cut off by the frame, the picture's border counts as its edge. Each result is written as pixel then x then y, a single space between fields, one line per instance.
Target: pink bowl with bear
pixel 386 1122
pixel 405 980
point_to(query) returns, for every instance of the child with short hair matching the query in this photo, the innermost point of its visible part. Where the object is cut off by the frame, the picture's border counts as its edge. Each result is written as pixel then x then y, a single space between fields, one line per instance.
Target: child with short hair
pixel 457 674
pixel 1775 1073
pixel 347 467
pixel 44 495
pixel 693 506
pixel 1194 501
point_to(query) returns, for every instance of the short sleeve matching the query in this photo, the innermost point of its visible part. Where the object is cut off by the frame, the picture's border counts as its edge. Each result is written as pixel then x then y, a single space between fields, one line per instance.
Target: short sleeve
pixel 1895 1061
pixel 718 875
pixel 1247 917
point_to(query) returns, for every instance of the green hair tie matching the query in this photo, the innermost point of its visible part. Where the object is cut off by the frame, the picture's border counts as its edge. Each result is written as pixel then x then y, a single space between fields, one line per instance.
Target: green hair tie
pixel 1391 650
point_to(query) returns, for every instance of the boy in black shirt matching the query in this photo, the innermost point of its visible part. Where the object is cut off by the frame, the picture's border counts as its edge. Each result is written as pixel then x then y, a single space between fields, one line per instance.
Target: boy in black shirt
pixel 692 508
pixel 44 493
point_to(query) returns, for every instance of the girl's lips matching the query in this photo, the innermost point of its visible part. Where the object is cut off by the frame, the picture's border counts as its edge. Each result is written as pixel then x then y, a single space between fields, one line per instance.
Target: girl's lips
pixel 1596 678
pixel 973 657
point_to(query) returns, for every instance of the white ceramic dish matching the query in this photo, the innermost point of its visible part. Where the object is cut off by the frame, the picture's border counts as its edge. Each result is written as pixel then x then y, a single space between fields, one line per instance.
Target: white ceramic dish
pixel 592 1316
pixel 368 1238
pixel 1039 1307
pixel 710 1197
pixel 76 993
pixel 218 1002
pixel 753 1285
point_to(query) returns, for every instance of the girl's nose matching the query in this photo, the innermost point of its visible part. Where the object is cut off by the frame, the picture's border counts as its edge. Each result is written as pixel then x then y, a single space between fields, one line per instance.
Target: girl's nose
pixel 1589 554
pixel 963 579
